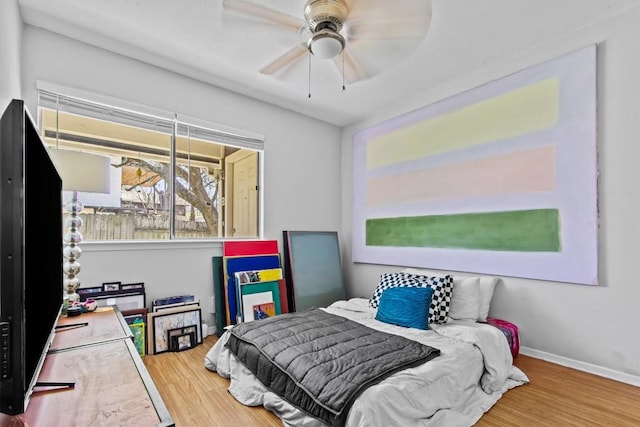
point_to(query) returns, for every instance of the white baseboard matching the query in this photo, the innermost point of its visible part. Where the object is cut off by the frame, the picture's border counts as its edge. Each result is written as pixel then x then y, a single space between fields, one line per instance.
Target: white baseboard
pixel 582 366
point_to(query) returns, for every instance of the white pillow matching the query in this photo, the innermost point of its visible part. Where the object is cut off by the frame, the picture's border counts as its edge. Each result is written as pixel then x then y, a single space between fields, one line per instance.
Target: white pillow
pixel 487 286
pixel 465 300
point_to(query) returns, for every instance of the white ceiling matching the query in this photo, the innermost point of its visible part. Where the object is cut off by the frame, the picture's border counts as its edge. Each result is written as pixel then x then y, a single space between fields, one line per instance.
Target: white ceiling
pixel 194 38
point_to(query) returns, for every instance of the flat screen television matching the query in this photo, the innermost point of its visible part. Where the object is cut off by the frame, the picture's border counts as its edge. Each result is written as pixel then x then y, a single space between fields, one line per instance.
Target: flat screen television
pixel 31 260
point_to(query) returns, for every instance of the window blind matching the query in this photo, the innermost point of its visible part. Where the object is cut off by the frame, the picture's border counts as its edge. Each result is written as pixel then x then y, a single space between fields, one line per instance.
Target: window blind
pixel 74 102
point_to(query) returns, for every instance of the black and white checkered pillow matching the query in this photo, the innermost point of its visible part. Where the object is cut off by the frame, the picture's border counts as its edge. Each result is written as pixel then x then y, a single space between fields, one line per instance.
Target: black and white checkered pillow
pixel 446 289
pixel 440 301
pixel 390 280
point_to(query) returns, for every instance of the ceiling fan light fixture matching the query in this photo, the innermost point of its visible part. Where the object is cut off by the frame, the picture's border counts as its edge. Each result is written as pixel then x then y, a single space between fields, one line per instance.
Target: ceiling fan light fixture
pixel 326 44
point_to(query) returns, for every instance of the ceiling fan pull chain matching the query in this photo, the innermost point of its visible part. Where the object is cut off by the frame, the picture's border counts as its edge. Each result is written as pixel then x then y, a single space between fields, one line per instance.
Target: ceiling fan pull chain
pixel 343 87
pixel 309 54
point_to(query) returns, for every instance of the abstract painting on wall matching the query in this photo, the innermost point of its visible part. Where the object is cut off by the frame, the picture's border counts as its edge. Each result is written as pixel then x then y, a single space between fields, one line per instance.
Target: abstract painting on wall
pixel 500 179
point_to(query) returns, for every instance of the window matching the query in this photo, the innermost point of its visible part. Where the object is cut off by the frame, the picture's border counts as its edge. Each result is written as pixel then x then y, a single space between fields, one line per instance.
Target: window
pixel 171 177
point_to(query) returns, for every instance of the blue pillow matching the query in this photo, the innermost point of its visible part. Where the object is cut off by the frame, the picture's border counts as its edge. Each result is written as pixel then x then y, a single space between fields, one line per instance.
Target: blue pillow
pixel 405 306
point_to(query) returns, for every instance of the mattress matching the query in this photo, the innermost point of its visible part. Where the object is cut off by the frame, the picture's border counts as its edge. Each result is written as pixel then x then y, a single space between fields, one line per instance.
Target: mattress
pixel 474 369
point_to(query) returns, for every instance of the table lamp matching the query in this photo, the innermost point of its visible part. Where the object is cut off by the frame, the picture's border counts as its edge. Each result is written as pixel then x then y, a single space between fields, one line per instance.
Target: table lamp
pixel 80 172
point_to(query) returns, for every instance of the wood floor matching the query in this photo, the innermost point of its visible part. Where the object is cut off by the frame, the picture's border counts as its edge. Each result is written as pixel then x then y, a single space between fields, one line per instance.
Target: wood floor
pixel 556 396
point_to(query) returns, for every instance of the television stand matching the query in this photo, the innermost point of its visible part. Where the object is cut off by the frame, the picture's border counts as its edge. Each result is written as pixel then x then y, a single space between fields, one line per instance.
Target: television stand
pixel 112 385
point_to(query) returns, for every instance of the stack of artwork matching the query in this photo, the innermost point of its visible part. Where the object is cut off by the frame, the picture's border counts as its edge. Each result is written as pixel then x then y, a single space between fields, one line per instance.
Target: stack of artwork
pixel 253 284
pixel 258 294
pixel 174 324
pixel 127 296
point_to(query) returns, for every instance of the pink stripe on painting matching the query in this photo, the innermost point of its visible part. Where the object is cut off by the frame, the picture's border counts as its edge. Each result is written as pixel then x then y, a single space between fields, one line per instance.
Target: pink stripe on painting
pixel 527 171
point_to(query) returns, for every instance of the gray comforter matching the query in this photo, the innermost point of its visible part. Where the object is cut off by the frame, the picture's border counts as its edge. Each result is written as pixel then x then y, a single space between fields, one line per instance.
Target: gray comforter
pixel 320 362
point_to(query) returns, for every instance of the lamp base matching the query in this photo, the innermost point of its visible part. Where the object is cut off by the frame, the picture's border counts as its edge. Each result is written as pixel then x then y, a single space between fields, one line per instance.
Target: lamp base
pixel 70 298
pixel 68 301
pixel 71 251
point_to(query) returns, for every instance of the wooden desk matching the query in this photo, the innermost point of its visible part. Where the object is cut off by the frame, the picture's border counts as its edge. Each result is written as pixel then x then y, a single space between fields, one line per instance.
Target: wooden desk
pixel 112 385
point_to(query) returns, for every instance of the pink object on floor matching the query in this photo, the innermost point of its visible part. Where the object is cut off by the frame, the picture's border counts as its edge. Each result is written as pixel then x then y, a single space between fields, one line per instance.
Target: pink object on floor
pixel 510 331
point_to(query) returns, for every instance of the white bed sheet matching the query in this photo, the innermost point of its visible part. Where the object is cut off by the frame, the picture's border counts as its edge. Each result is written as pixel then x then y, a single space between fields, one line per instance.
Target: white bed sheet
pixel 473 370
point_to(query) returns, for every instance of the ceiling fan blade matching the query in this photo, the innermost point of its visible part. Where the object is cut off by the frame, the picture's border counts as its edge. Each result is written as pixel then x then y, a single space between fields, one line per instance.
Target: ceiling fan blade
pixel 380 34
pixel 265 13
pixel 378 10
pixel 285 60
pixel 414 29
pixel 353 71
pixel 382 19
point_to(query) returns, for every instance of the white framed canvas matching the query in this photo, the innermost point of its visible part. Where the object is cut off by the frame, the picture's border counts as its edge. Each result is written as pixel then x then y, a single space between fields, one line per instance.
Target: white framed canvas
pixel 500 179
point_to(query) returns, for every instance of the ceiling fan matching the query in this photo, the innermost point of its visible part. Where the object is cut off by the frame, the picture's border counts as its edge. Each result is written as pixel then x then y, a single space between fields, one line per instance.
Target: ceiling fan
pixel 362 37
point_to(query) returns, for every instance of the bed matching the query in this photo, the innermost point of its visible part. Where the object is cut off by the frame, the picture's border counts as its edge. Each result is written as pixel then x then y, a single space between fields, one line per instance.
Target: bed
pixel 471 369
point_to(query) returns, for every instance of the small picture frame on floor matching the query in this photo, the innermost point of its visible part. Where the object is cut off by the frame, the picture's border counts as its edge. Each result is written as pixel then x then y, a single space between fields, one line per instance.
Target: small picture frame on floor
pixel 183 341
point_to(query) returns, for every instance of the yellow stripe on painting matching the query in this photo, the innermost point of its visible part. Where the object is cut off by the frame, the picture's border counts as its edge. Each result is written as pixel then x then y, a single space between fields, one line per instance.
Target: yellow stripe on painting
pixel 526 171
pixel 514 113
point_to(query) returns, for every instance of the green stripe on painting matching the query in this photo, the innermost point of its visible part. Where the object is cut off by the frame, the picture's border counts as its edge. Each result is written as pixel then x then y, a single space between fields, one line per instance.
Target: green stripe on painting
pixel 536 230
pixel 518 112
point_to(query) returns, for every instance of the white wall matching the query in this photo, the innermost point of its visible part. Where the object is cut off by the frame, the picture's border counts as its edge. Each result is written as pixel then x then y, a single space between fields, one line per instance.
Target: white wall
pixel 301 183
pixel 10 45
pixel 594 328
